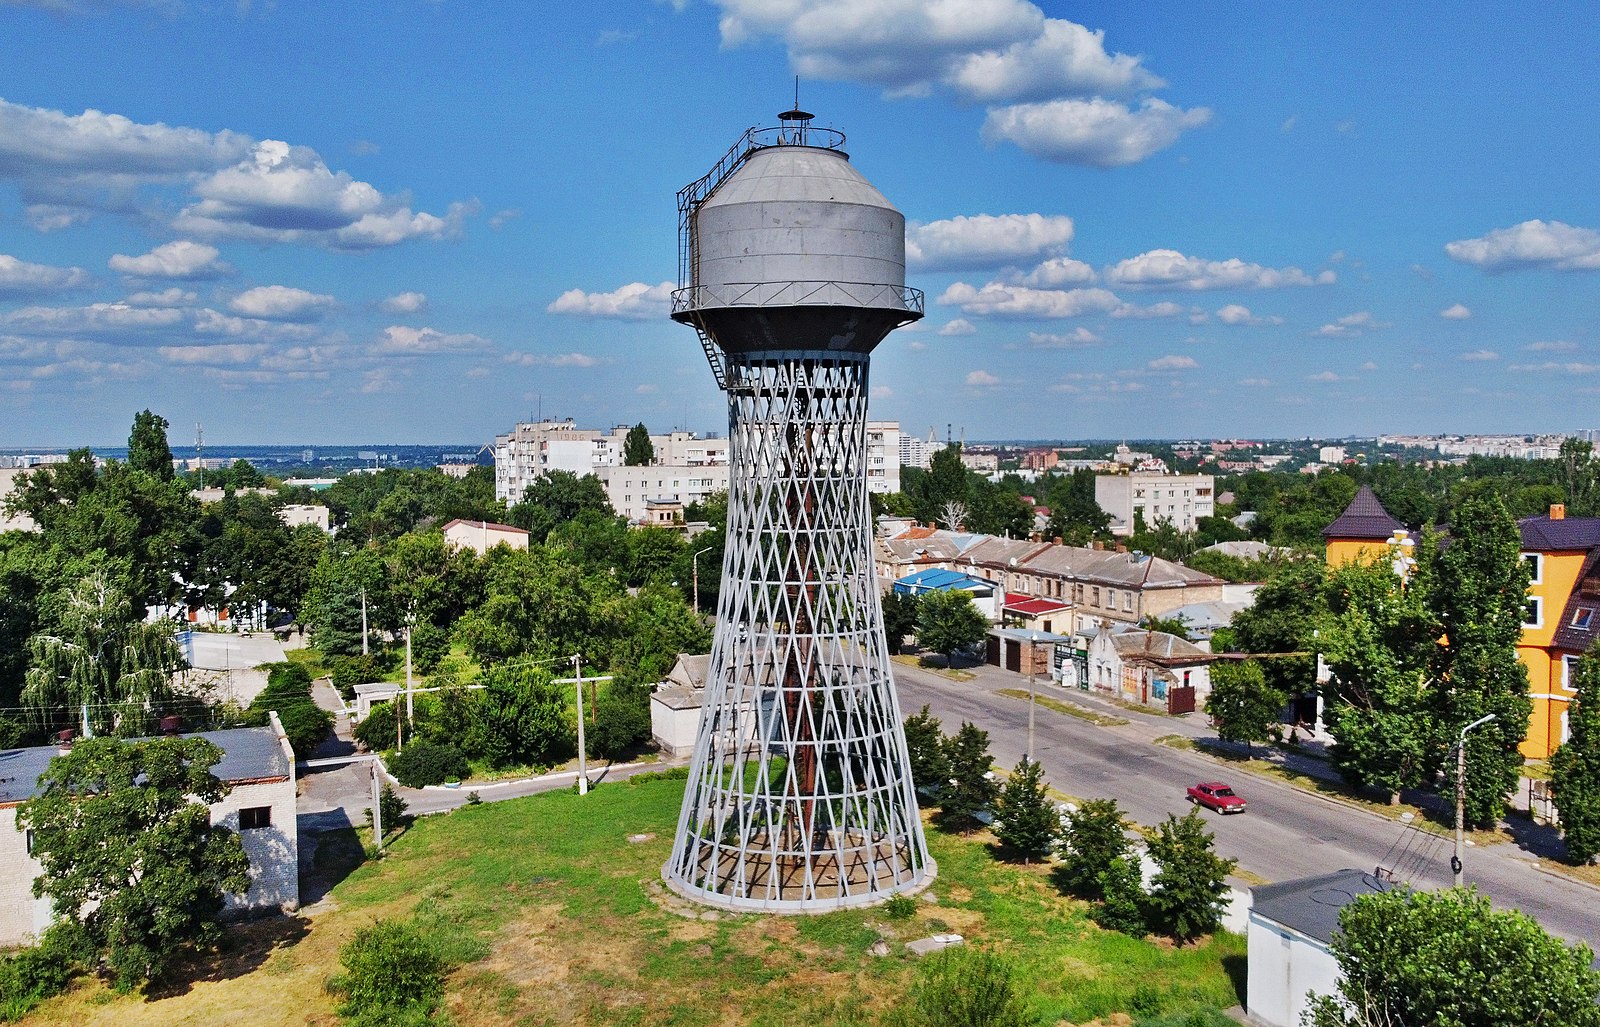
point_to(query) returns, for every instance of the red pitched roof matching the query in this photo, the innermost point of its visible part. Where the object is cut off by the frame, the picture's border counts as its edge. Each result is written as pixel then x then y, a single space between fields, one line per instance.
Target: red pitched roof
pixel 1365 518
pixel 1030 606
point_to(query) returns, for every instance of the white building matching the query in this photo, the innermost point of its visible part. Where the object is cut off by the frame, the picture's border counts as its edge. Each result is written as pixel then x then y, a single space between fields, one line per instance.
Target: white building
pixel 632 489
pixel 1180 498
pixel 8 485
pixel 482 536
pixel 260 807
pixel 1331 454
pixel 884 446
pixel 1290 930
pixel 915 452
pixel 296 514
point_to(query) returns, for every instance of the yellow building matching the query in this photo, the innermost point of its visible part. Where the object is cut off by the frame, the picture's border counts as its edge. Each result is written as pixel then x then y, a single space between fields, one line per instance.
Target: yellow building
pixel 1364 533
pixel 1563 618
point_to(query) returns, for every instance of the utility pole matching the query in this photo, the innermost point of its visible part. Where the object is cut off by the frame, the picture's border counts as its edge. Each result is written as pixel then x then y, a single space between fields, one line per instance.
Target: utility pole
pixel 363 622
pixel 695 562
pixel 1032 636
pixel 1461 796
pixel 377 808
pixel 583 768
pixel 410 712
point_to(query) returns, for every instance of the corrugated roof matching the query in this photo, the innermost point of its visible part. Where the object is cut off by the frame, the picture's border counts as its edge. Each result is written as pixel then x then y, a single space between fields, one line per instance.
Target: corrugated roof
pixel 1033 606
pixel 1157 646
pixel 248 754
pixel 1312 905
pixel 1542 535
pixel 937 579
pixel 1365 518
pixel 483 526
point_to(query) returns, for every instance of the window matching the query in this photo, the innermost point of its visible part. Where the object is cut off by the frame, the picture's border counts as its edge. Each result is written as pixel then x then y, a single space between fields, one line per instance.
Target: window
pixel 1127 602
pixel 1111 599
pixel 1581 619
pixel 1533 617
pixel 254 817
pixel 1535 562
pixel 1094 596
pixel 28 840
pixel 1569 666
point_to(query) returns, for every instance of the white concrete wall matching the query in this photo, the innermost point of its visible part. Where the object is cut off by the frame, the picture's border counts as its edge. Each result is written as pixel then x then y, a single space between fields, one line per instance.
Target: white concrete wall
pixel 273 850
pixel 22 917
pixel 673 730
pixel 1285 968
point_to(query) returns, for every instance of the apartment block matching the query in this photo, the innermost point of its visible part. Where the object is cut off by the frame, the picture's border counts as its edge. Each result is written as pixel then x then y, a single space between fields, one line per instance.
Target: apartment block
pixel 1179 498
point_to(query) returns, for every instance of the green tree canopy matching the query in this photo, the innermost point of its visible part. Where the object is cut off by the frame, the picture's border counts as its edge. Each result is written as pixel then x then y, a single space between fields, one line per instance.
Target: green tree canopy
pixel 947 621
pixel 637 449
pixel 1095 840
pixel 899 618
pixel 555 498
pixel 1026 821
pixel 124 837
pixel 972 789
pixel 1575 766
pixel 1448 957
pixel 147 446
pixel 1244 707
pixel 1075 516
pixel 927 753
pixel 1190 889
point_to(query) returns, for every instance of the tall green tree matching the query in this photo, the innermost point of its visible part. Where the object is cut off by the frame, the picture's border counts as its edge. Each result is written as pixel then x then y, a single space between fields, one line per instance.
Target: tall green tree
pixel 899 618
pixel 1026 821
pixel 102 659
pixel 1575 766
pixel 1283 618
pixel 1378 641
pixel 932 492
pixel 147 446
pixel 637 449
pixel 345 578
pixel 1448 957
pixel 972 788
pixel 1190 889
pixel 124 837
pixel 927 753
pixel 1479 597
pixel 947 621
pixel 1075 517
pixel 556 498
pixel 1243 706
pixel 1095 840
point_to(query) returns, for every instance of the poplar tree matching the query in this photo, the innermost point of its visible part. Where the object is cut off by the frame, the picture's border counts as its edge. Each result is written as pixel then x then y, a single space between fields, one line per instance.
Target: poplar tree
pixel 147 445
pixel 1575 766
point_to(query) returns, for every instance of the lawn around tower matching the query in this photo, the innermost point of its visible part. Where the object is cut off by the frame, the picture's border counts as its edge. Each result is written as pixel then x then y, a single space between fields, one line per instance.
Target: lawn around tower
pixel 556 917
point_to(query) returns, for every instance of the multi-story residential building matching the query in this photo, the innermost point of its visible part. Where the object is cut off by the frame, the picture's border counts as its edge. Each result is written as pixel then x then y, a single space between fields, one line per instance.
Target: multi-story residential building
pixel 1181 499
pixel 917 452
pixel 632 489
pixel 884 446
pixel 983 463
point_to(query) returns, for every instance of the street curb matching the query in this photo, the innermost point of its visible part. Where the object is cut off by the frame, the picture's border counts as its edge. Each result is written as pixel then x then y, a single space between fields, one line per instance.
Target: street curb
pixel 536 779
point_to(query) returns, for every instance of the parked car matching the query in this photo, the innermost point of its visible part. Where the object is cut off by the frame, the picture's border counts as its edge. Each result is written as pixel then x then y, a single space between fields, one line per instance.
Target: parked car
pixel 1216 795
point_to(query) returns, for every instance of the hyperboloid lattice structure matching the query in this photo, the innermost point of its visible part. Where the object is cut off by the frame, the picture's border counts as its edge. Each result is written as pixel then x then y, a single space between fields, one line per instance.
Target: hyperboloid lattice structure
pixel 792 268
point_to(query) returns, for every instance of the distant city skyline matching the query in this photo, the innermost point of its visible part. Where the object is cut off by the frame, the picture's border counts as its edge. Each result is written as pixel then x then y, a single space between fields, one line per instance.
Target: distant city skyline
pixel 421 221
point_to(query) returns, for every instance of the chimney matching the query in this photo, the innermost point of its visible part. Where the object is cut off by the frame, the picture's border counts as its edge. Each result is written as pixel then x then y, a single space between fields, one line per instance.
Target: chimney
pixel 1558 511
pixel 64 740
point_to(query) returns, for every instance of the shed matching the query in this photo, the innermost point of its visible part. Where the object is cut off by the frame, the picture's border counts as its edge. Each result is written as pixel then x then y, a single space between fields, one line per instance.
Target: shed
pixel 1291 931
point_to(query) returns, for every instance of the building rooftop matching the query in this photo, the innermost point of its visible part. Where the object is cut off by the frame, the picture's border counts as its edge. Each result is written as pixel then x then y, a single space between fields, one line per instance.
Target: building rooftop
pixel 248 754
pixel 1312 905
pixel 1365 518
pixel 1580 621
pixel 1157 647
pixel 483 526
pixel 1546 533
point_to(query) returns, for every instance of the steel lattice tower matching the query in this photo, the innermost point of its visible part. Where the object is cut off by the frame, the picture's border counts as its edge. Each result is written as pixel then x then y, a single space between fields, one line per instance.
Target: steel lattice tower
pixel 792 268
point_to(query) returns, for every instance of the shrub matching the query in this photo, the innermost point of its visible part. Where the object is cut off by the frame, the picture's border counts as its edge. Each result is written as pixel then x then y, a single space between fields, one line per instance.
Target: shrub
pixel 390 971
pixel 30 976
pixel 900 907
pixel 1123 900
pixel 306 724
pixel 963 987
pixel 288 692
pixel 1190 890
pixel 427 763
pixel 1027 821
pixel 925 754
pixel 376 731
pixel 349 671
pixel 1095 840
pixel 621 720
pixel 290 676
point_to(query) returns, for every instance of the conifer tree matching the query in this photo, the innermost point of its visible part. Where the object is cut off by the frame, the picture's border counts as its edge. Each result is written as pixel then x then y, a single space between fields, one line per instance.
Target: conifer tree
pixel 1575 766
pixel 1025 819
pixel 971 790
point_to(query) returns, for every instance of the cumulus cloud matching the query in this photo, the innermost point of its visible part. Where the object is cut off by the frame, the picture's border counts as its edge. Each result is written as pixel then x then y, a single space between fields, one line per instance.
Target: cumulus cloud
pixel 1455 312
pixel 1351 325
pixel 35 141
pixel 173 297
pixel 1100 133
pixel 1020 301
pixel 280 303
pixel 225 353
pixel 981 378
pixel 1165 308
pixel 1047 80
pixel 1555 346
pixel 1480 355
pixel 213 322
pixel 957 326
pixel 635 301
pixel 1237 314
pixel 1562 367
pixel 1059 271
pixel 98 320
pixel 403 340
pixel 181 259
pixel 405 303
pixel 52 217
pixel 644 390
pixel 1173 362
pixel 20 278
pixel 1078 337
pixel 552 359
pixel 1169 269
pixel 1531 244
pixel 978 241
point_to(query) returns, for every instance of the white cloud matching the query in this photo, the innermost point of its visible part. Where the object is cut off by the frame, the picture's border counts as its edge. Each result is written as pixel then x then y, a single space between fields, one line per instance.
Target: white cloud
pixel 180 259
pixel 978 241
pixel 1078 337
pixel 1480 355
pixel 1059 271
pixel 1324 376
pixel 1531 244
pixel 500 218
pixel 957 326
pixel 1064 59
pixel 1569 367
pixel 403 340
pixel 1169 269
pixel 1288 123
pixel 1236 314
pixel 1256 383
pixel 1351 325
pixel 1165 308
pixel 1369 366
pixel 405 303
pixel 283 193
pixel 20 278
pixel 995 298
pixel 173 297
pixel 1455 312
pixel 552 359
pixel 1173 362
pixel 52 217
pixel 644 390
pixel 881 392
pixel 635 301
pixel 1099 133
pixel 227 353
pixel 97 319
pixel 916 345
pixel 212 322
pixel 280 303
pixel 35 141
pixel 981 378
pixel 1556 346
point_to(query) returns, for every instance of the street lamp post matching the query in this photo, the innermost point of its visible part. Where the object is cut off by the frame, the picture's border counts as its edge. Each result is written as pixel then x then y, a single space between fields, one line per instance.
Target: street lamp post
pixel 1461 796
pixel 695 564
pixel 1032 638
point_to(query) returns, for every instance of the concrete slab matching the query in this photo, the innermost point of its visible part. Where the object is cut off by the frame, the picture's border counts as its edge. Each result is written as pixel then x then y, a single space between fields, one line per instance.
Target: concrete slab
pixel 935 943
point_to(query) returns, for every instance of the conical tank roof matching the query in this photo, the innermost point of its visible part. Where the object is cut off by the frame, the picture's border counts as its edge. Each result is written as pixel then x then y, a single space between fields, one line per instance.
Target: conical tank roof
pixel 799 174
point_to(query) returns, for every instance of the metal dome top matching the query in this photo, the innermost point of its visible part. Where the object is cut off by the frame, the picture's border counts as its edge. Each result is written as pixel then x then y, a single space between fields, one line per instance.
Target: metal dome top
pixel 796 173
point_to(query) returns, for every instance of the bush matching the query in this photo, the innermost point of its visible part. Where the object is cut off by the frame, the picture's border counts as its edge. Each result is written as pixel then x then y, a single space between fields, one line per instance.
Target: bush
pixel 289 676
pixel 900 907
pixel 427 763
pixel 1123 900
pixel 964 987
pixel 621 720
pixel 349 671
pixel 390 972
pixel 30 976
pixel 376 732
pixel 306 724
pixel 288 692
pixel 1095 841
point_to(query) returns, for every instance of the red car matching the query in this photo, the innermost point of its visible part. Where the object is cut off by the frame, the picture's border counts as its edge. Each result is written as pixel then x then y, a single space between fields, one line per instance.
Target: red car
pixel 1216 795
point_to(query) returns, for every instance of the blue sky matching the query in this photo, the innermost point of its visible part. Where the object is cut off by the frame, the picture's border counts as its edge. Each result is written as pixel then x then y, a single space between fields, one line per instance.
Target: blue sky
pixel 422 221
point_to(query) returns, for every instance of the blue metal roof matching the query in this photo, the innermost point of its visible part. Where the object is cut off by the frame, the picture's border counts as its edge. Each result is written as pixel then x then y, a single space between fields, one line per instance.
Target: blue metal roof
pixel 937 580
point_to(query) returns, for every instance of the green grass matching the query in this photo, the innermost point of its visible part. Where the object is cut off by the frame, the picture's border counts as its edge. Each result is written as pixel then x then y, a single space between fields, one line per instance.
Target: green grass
pixel 1071 709
pixel 555 918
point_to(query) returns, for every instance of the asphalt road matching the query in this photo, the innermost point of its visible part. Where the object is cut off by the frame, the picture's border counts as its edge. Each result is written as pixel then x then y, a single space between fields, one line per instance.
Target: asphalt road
pixel 1287 833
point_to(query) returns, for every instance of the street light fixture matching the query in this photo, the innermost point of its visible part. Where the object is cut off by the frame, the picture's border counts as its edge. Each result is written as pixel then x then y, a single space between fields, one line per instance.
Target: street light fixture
pixel 1461 795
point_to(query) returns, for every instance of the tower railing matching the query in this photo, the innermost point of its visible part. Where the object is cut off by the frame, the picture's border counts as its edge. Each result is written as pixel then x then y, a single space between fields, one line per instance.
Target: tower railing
pixel 764 294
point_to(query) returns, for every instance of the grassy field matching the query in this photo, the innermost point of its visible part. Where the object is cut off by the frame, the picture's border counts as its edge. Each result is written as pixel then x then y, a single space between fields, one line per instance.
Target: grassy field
pixel 559 919
pixel 1071 709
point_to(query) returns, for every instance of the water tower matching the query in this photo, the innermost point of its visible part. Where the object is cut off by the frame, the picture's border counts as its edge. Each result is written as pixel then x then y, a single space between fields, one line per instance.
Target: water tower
pixel 791 269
